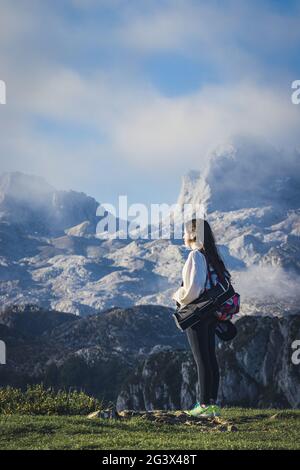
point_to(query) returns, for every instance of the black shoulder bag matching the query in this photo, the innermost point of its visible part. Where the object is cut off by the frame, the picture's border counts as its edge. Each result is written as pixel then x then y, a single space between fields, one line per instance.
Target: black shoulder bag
pixel 204 306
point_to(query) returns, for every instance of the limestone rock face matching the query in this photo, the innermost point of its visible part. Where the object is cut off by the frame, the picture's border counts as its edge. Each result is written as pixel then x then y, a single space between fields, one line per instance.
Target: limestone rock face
pixel 137 358
pixel 161 381
pixel 256 370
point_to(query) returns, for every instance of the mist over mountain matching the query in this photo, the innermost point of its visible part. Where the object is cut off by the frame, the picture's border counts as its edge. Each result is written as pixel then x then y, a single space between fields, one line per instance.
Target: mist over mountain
pixel 50 254
pixel 246 173
pixel 31 205
pixel 252 173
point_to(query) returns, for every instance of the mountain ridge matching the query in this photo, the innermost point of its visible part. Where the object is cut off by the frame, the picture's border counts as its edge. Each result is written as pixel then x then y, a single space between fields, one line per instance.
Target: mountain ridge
pixel 47 261
pixel 151 361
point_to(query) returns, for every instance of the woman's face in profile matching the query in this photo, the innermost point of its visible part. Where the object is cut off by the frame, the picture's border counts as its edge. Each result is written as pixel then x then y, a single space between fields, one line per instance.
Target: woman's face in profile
pixel 186 239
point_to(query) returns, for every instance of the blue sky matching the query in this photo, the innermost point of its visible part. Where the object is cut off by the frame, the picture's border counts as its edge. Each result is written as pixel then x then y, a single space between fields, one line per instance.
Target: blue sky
pixel 123 97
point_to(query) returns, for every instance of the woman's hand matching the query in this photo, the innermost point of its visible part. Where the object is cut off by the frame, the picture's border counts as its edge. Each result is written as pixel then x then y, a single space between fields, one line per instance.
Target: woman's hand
pixel 177 295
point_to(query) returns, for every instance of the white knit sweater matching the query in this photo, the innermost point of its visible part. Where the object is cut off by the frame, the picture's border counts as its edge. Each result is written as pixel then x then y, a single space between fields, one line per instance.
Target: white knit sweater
pixel 193 275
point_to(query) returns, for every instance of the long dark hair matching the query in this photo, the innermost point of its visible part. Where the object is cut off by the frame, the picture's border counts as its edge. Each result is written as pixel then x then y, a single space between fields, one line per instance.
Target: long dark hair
pixel 209 249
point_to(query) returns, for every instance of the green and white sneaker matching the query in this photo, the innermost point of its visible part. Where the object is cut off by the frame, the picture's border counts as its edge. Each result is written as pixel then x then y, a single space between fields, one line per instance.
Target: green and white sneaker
pixel 203 411
pixel 216 410
pixel 211 411
pixel 197 410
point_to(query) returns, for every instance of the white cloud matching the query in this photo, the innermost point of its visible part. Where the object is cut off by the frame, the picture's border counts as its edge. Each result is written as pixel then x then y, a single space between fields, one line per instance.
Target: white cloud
pixel 232 34
pixel 252 283
pixel 169 130
pixel 137 125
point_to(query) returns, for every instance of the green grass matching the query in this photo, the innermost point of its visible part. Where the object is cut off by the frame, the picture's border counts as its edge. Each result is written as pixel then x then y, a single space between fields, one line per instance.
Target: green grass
pixel 256 430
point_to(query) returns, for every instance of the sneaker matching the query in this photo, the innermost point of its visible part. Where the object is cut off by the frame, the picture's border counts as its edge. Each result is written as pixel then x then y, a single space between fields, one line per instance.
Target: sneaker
pixel 197 410
pixel 216 410
pixel 209 411
pixel 212 411
pixel 197 404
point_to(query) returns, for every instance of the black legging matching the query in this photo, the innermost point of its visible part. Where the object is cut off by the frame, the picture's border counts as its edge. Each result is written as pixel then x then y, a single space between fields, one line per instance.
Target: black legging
pixel 201 338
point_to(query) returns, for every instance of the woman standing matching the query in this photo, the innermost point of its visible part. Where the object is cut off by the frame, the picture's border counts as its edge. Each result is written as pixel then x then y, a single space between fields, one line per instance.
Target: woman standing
pixel 204 256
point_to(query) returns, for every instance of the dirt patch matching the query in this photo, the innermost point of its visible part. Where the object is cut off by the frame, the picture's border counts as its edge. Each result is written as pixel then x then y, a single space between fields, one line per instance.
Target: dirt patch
pixel 170 418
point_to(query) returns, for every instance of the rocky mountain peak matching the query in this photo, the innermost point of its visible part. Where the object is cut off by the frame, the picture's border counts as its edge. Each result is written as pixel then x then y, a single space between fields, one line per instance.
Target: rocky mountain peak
pixel 50 254
pixel 33 205
pixel 20 187
pixel 242 174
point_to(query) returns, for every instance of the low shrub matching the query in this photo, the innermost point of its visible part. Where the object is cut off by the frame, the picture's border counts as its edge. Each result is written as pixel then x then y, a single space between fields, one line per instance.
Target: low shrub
pixel 38 400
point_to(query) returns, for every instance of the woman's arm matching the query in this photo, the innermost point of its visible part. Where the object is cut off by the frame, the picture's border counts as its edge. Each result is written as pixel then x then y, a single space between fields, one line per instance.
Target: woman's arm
pixel 195 271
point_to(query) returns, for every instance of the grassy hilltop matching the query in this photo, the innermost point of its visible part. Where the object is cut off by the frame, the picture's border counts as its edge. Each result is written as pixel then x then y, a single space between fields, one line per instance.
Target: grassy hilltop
pixel 256 430
pixel 44 419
